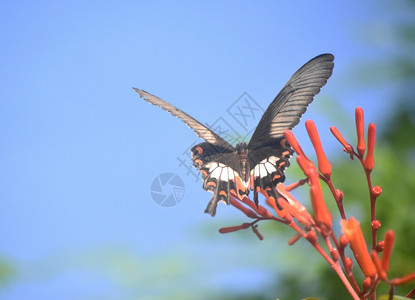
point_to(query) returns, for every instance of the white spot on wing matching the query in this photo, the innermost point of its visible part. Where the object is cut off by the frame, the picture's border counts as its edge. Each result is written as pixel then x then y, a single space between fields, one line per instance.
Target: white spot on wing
pixel 216 173
pixel 225 174
pixel 212 165
pixel 231 174
pixel 256 171
pixel 273 160
pixel 270 168
pixel 262 171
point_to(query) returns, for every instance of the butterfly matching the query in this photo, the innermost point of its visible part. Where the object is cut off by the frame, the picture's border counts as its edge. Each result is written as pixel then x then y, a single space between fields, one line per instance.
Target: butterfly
pixel 259 164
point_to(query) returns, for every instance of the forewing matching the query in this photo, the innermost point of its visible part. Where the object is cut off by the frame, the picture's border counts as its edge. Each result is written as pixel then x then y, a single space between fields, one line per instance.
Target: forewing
pixel 201 130
pixel 289 105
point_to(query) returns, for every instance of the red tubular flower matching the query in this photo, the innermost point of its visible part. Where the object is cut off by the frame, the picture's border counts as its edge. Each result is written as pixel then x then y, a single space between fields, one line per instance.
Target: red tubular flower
pixel 323 164
pixel 282 189
pixel 321 213
pixel 360 128
pixel 347 147
pixel 369 160
pixel 404 279
pixel 353 232
pixel 376 261
pixel 295 208
pixel 234 228
pixel 293 142
pixel 387 250
pixel 244 209
pixel 283 214
pixel 260 209
pixel 295 185
pixel 305 164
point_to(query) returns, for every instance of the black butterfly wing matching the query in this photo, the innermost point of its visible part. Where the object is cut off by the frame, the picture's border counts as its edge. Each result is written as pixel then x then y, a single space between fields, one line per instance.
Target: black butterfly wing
pixel 201 130
pixel 216 159
pixel 289 105
pixel 220 172
pixel 269 152
pixel 268 165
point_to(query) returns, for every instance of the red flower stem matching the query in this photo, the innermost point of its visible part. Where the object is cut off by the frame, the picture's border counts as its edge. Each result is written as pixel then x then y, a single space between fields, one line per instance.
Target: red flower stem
pixel 260 210
pixel 349 275
pixel 372 293
pixel 336 267
pixel 296 184
pixel 372 205
pixel 333 191
pixel 411 293
pixel 404 279
pixel 328 243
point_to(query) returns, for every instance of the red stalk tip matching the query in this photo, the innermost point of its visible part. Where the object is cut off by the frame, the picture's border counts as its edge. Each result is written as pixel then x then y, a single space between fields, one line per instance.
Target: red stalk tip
pixel 359 116
pixel 387 250
pixel 293 142
pixel 347 147
pixel 369 160
pixel 323 163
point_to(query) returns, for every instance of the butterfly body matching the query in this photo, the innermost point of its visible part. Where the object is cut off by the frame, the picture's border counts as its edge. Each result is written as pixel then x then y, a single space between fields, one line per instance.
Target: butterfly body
pixel 225 171
pixel 259 164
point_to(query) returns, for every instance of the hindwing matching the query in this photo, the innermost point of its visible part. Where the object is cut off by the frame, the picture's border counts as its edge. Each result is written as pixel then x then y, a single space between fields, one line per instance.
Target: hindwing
pixel 268 164
pixel 220 173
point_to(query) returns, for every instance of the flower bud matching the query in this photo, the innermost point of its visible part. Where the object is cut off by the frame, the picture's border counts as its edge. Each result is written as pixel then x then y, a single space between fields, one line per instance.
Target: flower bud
pixel 324 165
pixel 369 162
pixel 347 147
pixel 344 241
pixel 293 142
pixel 335 254
pixel 360 129
pixel 234 228
pixel 376 224
pixel 367 283
pixel 377 190
pixel 352 230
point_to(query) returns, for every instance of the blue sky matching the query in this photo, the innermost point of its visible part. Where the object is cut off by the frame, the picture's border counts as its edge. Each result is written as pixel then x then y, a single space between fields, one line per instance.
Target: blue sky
pixel 80 149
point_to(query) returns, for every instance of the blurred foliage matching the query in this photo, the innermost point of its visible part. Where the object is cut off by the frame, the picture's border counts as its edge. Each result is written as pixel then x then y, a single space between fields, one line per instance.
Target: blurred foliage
pixel 7 272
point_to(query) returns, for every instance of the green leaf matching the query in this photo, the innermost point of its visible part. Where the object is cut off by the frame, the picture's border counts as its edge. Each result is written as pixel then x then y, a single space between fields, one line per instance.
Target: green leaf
pixel 386 297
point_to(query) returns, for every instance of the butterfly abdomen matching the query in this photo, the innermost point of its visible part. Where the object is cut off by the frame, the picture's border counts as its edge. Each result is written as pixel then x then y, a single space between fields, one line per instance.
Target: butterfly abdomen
pixel 242 152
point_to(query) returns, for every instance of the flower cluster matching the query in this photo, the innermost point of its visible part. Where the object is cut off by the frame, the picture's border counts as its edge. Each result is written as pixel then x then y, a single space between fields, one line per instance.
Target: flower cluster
pixel 373 263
